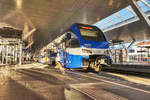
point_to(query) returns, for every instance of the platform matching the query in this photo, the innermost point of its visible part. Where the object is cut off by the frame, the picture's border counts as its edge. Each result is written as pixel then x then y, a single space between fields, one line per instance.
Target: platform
pixel 133 64
pixel 135 67
pixel 41 82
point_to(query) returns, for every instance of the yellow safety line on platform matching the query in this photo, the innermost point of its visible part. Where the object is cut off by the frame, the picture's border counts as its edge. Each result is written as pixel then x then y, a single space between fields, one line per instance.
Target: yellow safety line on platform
pixel 135 79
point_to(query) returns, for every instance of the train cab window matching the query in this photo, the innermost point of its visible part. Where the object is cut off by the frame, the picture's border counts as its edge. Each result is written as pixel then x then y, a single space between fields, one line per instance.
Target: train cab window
pixel 91 33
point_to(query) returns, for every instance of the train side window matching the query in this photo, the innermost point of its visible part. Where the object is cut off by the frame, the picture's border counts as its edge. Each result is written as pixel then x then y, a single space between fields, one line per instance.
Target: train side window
pixel 67 43
pixel 71 41
pixel 67 40
pixel 74 43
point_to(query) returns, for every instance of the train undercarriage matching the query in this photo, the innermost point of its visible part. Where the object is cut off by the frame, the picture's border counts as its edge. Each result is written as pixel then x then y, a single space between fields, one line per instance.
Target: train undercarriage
pixel 95 62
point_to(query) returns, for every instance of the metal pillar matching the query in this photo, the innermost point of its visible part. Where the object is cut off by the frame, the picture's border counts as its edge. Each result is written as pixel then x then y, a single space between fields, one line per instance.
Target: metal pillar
pixel 3 54
pixel 20 53
pixel 142 13
pixel 0 54
pixel 6 56
pixel 15 54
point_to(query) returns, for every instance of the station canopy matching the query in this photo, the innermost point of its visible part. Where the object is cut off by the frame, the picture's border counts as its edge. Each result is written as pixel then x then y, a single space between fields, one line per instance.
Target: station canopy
pixel 123 16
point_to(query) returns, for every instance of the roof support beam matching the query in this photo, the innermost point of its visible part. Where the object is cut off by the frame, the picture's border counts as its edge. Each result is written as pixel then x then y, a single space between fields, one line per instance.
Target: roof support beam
pixel 148 14
pixel 29 45
pixel 139 12
pixel 146 3
pixel 28 34
pixel 143 17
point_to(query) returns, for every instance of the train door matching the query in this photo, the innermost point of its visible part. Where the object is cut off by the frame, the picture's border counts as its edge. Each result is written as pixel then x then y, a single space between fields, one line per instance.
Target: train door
pixel 72 51
pixel 62 54
pixel 63 45
pixel 62 49
pixel 67 46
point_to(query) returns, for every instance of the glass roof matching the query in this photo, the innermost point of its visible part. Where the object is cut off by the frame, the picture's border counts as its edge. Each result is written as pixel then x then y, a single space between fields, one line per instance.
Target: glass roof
pixel 116 18
pixel 122 15
pixel 144 7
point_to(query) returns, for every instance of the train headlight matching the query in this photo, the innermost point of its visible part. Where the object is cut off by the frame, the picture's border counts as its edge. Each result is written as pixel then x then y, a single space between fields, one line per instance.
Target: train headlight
pixel 86 51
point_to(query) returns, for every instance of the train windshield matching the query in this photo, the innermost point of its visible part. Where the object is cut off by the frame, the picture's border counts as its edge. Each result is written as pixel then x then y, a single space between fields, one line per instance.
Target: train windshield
pixel 91 33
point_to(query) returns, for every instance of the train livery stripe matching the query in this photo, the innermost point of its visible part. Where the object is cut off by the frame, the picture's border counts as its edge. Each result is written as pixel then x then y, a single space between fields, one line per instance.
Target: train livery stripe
pixel 78 51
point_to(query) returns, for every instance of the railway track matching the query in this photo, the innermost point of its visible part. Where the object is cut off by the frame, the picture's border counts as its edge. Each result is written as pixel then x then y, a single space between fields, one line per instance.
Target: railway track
pixel 92 92
pixel 76 85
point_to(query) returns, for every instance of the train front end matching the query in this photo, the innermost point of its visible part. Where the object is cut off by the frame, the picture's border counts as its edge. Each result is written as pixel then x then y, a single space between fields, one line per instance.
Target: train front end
pixel 93 47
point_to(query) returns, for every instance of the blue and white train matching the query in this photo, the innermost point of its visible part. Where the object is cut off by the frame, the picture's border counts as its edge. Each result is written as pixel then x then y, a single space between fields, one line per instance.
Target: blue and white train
pixel 83 47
